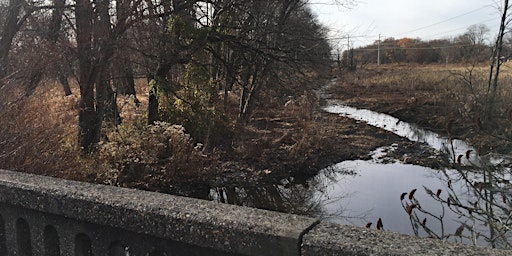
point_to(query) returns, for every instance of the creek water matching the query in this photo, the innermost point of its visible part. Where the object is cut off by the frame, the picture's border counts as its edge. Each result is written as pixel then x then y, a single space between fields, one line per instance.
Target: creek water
pixel 358 192
pixel 354 192
pixel 403 129
pixel 375 188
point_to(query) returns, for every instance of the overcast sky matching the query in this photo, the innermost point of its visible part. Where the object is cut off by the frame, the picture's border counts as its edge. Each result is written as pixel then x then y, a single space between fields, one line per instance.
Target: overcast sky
pixel 425 19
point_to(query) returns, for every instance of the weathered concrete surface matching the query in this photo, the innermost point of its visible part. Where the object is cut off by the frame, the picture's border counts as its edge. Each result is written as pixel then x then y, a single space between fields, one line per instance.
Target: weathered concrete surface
pixel 333 239
pixel 102 237
pixel 202 223
pixel 103 212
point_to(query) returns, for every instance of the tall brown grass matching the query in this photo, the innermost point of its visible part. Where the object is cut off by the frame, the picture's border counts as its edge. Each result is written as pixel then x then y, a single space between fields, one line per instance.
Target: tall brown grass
pixel 446 93
pixel 38 133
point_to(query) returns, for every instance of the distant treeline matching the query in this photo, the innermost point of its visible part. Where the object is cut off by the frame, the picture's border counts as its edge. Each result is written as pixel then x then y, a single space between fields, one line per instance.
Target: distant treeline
pixel 471 46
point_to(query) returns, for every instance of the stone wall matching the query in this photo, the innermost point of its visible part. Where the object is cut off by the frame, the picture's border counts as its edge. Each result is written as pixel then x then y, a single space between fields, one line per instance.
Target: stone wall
pixel 48 216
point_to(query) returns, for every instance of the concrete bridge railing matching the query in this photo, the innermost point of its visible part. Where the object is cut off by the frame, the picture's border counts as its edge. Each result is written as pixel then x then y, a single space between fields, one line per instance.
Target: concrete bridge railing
pixel 48 216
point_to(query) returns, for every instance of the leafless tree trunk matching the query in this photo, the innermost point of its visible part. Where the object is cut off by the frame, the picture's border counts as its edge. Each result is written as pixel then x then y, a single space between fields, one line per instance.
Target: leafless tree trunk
pixel 14 21
pixel 122 76
pixel 496 62
pixel 88 117
pixel 159 80
pixel 54 32
pixel 96 39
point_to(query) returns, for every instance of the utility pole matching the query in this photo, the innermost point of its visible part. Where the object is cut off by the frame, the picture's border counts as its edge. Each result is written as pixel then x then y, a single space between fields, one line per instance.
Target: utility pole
pixel 378 51
pixel 350 55
pixel 348 50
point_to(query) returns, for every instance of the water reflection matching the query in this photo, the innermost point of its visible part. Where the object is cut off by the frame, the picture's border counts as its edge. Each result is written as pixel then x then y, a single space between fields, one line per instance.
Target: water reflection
pixel 375 191
pixel 407 130
pixel 481 200
pixel 357 192
pixel 469 205
pixel 350 192
pixel 299 198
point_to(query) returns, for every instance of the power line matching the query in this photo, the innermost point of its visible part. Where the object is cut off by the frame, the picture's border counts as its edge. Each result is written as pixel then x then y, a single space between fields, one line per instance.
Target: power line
pixel 368 38
pixel 440 22
pixel 414 48
pixel 460 28
pixel 432 35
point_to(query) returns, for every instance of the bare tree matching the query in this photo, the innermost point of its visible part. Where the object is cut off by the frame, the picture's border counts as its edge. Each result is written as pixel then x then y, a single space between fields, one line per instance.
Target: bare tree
pixel 96 38
pixel 477 191
pixel 16 15
pixel 472 44
pixel 267 42
pixel 494 71
pixel 242 47
pixel 53 35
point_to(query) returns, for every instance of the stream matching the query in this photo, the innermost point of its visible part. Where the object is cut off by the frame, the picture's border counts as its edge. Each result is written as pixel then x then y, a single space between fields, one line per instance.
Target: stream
pixel 358 192
pixel 376 186
pixel 400 128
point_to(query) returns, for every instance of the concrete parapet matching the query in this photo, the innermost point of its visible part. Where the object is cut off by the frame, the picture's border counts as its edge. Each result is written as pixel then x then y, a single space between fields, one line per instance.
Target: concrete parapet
pixel 41 214
pixel 334 239
pixel 227 228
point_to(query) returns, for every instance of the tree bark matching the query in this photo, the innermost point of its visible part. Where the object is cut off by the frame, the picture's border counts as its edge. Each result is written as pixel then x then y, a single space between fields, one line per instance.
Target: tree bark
pixel 153 115
pixel 12 25
pixel 122 70
pixel 54 32
pixel 123 78
pixel 65 84
pixel 88 117
pixel 106 99
pixel 159 79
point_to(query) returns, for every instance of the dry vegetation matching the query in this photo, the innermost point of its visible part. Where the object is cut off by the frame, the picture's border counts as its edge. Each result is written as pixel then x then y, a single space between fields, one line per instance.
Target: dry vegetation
pixel 437 97
pixel 39 133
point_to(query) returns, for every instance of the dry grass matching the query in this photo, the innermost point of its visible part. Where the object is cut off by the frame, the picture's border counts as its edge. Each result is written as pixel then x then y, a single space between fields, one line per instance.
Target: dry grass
pixel 37 133
pixel 434 95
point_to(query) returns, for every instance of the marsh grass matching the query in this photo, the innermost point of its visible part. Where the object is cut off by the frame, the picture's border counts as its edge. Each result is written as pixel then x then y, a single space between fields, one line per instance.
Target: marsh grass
pixel 435 95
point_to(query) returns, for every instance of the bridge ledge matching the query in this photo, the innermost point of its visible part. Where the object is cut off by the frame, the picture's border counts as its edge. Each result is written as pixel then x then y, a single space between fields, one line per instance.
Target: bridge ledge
pixel 78 218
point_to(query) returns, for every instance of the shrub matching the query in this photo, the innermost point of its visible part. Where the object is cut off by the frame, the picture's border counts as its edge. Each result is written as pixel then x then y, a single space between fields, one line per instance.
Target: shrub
pixel 138 154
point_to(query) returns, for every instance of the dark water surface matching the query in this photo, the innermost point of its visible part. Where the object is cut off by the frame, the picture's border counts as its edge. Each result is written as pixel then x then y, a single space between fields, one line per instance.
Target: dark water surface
pixel 357 192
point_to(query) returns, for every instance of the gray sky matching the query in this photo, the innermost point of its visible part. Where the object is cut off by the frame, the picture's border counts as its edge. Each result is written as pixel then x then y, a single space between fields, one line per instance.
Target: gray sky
pixel 425 19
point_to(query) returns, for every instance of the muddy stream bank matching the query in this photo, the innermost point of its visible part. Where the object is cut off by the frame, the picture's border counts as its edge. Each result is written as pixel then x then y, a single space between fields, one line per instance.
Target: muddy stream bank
pixel 362 192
